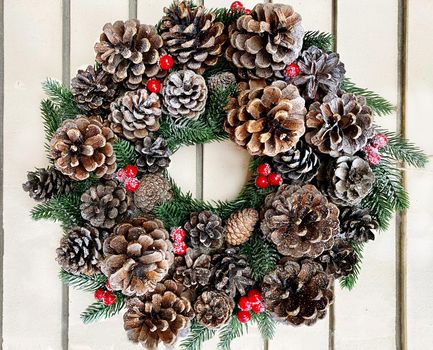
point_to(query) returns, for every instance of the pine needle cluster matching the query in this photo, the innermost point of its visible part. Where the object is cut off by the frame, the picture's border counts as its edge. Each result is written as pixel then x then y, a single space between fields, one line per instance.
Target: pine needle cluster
pixel 322 40
pixel 349 281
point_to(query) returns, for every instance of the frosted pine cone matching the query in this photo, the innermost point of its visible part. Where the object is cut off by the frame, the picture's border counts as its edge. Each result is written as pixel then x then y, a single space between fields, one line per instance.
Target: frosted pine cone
pixel 357 224
pixel 153 155
pixel 213 309
pixel 340 260
pixel 205 231
pixel 154 189
pixel 192 269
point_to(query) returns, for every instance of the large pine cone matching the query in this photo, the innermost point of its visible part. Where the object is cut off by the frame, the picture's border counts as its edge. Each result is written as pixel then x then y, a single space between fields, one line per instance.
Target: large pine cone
pixel 192 36
pixel 93 90
pixel 80 250
pixel 300 221
pixel 205 231
pixel 135 114
pixel 298 292
pixel 320 73
pixel 184 94
pixel 213 309
pixel 153 155
pixel 266 120
pixel 158 316
pixel 137 256
pixel 264 42
pixel 340 260
pixel 298 165
pixel 221 80
pixel 240 226
pixel 154 189
pixel 357 224
pixel 83 145
pixel 192 269
pixel 44 184
pixel 339 125
pixel 130 51
pixel 104 204
pixel 231 273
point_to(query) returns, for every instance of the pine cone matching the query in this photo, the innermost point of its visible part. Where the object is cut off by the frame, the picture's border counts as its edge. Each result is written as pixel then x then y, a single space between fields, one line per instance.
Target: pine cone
pixel 240 226
pixel 340 125
pixel 80 250
pixel 192 36
pixel 83 145
pixel 43 184
pixel 298 292
pixel 137 256
pixel 221 80
pixel 264 42
pixel 104 204
pixel 192 269
pixel 299 221
pixel 231 272
pixel 184 94
pixel 266 120
pixel 158 316
pixel 93 90
pixel 340 260
pixel 135 114
pixel 154 189
pixel 153 155
pixel 205 231
pixel 213 309
pixel 130 51
pixel 357 224
pixel 346 180
pixel 298 165
pixel 320 73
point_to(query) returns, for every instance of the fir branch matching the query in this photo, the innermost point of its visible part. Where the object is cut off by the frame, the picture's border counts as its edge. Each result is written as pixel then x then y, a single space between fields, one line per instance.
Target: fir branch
pixel 98 310
pixel 349 281
pixel 82 281
pixel 61 97
pixel 322 40
pixel 266 324
pixel 226 15
pixel 50 118
pixel 198 334
pixel 230 331
pixel 125 153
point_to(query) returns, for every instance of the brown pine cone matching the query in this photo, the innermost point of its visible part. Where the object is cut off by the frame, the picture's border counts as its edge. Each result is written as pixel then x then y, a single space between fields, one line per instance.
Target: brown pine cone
pixel 240 226
pixel 192 36
pixel 340 260
pixel 137 256
pixel 264 42
pixel 266 120
pixel 159 316
pixel 154 189
pixel 300 221
pixel 130 51
pixel 205 231
pixel 153 154
pixel 221 80
pixel 213 309
pixel 83 145
pixel 192 269
pixel 298 292
pixel 357 224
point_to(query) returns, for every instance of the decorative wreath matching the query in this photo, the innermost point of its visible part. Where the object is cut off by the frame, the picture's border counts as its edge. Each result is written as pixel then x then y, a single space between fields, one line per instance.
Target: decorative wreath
pixel 324 176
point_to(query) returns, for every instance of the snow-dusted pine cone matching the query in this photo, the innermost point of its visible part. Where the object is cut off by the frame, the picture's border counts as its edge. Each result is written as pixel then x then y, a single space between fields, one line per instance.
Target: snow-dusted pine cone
pixel 213 309
pixel 357 224
pixel 153 154
pixel 205 231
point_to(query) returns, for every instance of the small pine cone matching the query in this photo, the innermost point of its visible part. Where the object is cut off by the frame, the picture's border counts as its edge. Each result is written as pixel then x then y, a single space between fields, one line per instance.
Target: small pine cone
pixel 184 94
pixel 213 309
pixel 264 42
pixel 104 204
pixel 231 273
pixel 320 73
pixel 221 80
pixel 205 231
pixel 135 114
pixel 83 145
pixel 93 90
pixel 130 52
pixel 158 317
pixel 43 184
pixel 80 250
pixel 340 260
pixel 266 120
pixel 299 221
pixel 192 269
pixel 137 256
pixel 357 224
pixel 339 125
pixel 298 292
pixel 154 189
pixel 153 155
pixel 298 165
pixel 240 226
pixel 346 180
pixel 192 36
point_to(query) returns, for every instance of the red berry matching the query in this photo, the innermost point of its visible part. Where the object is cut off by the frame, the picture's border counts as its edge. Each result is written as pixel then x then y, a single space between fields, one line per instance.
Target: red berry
pixel 108 286
pixel 262 181
pixel 131 170
pixel 258 308
pixel 244 316
pixel 292 70
pixel 120 175
pixel 237 6
pixel 99 293
pixel 379 141
pixel 166 62
pixel 178 234
pixel 132 184
pixel 109 298
pixel 254 296
pixel 180 248
pixel 244 304
pixel 264 169
pixel 247 11
pixel 373 158
pixel 153 85
pixel 275 179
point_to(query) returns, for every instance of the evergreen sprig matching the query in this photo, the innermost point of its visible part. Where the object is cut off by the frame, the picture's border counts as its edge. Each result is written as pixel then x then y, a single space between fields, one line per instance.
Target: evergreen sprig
pixel 125 153
pixel 322 40
pixel 61 97
pixel 230 331
pixel 198 334
pixel 98 310
pixel 349 281
pixel 83 282
pixel 226 15
pixel 266 324
pixel 50 118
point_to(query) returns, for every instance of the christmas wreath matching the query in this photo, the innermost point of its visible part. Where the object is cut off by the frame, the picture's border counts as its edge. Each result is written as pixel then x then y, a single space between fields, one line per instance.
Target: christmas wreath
pixel 324 176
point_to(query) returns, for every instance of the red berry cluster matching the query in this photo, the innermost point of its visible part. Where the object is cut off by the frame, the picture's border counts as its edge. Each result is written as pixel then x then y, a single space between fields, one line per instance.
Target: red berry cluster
pixel 238 6
pixel 105 295
pixel 178 236
pixel 253 301
pixel 292 70
pixel 372 149
pixel 127 176
pixel 267 177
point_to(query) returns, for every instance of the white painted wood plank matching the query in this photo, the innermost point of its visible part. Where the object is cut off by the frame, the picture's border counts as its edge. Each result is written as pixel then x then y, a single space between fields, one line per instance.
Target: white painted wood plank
pixel 32 291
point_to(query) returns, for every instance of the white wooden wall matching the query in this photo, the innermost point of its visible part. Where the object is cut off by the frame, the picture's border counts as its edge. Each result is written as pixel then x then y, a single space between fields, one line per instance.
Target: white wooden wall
pixel 53 38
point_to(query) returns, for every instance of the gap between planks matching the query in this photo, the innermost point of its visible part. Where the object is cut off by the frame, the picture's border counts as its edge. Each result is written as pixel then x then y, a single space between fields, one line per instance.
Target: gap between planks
pixel 1 165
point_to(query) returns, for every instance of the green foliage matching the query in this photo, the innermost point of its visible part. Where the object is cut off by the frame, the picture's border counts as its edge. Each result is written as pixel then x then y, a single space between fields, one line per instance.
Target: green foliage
pixel 198 334
pixel 349 281
pixel 62 98
pixel 222 66
pixel 226 15
pixel 50 117
pixel 266 324
pixel 82 281
pixel 230 331
pixel 125 153
pixel 98 310
pixel 322 40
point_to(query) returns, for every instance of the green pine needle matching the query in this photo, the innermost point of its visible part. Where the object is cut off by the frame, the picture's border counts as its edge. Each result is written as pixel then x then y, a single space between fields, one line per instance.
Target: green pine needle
pixel 98 310
pixel 225 15
pixel 82 281
pixel 125 153
pixel 322 40
pixel 232 330
pixel 61 97
pixel 198 334
pixel 266 324
pixel 50 117
pixel 349 281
